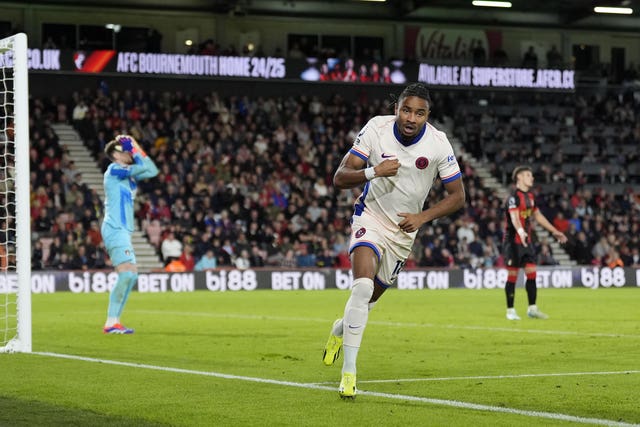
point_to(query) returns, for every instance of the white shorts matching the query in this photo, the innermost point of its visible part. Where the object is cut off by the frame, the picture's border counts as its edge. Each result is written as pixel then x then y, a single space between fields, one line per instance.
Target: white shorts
pixel 392 247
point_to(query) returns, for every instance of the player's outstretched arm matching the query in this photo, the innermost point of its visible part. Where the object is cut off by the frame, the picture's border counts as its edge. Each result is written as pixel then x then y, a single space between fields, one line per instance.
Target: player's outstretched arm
pixel 543 221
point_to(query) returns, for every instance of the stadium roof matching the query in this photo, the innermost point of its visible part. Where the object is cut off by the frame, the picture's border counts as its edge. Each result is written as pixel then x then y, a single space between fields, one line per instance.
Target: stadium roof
pixel 569 14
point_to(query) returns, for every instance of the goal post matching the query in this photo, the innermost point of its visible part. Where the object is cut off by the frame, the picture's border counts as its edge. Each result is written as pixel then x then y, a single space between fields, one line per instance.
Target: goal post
pixel 15 223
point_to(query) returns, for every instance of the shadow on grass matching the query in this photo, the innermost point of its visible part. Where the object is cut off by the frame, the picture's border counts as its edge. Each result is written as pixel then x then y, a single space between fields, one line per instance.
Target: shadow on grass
pixel 21 413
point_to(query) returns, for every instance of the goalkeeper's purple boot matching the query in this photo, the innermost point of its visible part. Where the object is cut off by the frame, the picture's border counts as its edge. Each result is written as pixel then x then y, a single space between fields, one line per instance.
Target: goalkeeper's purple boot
pixel 117 329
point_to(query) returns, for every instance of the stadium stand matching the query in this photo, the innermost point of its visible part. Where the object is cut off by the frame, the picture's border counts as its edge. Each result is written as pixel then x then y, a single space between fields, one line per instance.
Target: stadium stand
pixel 584 153
pixel 254 175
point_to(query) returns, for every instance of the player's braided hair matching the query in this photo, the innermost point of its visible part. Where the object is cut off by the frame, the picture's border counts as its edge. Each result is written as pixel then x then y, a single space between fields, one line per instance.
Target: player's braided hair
pixel 415 89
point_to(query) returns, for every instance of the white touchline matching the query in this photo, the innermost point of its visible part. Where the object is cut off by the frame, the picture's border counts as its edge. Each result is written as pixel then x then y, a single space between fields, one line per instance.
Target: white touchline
pixel 442 402
pixel 497 377
pixel 386 323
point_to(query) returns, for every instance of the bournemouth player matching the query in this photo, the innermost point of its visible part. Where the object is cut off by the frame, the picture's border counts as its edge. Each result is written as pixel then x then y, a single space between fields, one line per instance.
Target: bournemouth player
pixel 518 251
pixel 397 158
pixel 129 165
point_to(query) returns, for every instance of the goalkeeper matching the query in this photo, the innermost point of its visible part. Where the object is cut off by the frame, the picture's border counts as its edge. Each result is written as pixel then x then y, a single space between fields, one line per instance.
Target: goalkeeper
pixel 129 165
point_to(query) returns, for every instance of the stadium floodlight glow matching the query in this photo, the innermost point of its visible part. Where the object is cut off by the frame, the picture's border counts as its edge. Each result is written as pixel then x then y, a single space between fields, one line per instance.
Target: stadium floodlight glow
pixel 616 10
pixel 115 27
pixel 484 3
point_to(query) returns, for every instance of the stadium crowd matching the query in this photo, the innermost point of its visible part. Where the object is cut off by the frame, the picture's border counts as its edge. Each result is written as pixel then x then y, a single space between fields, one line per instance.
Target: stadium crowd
pixel 584 153
pixel 246 182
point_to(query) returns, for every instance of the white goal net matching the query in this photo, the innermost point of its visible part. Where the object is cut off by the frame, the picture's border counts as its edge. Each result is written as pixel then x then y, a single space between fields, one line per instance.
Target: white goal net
pixel 15 227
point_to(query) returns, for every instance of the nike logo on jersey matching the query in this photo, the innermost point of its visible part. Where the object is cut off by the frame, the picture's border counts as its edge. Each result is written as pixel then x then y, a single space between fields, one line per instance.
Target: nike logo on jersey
pixel 387 156
pixel 354 326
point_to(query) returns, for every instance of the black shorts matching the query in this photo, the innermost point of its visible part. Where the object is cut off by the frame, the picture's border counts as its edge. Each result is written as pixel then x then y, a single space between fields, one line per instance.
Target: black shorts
pixel 518 256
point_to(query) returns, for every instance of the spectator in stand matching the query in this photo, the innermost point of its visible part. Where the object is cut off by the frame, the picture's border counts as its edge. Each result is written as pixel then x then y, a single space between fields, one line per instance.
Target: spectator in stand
pixel 374 73
pixel 386 75
pixel 80 111
pixel 305 258
pixel 37 256
pixel 154 233
pixel 612 259
pixel 465 230
pixel 208 261
pixel 601 249
pixel 545 257
pixel 257 257
pixel 69 246
pixel 325 73
pixel 561 223
pixel 479 54
pixel 81 260
pixel 625 255
pixel 295 52
pixel 325 258
pixel 98 255
pixel 363 74
pixel 63 262
pixel 530 58
pixel 500 57
pixel 580 251
pixel 634 260
pixel 554 57
pixel 187 259
pixel 43 222
pixel 349 74
pixel 289 259
pixel 428 259
pixel 242 262
pixel 171 247
pixel 55 250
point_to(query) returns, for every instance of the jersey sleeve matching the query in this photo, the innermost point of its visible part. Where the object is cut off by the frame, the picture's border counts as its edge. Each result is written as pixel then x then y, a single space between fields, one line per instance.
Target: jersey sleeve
pixel 512 203
pixel 362 144
pixel 143 167
pixel 119 171
pixel 448 168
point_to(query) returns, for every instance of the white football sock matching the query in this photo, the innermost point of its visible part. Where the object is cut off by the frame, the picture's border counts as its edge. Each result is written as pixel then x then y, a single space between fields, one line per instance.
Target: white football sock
pixel 356 311
pixel 338 326
pixel 350 356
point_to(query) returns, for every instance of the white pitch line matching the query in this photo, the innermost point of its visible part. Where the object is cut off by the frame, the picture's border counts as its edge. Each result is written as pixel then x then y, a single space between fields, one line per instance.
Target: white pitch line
pixel 432 401
pixel 387 323
pixel 498 377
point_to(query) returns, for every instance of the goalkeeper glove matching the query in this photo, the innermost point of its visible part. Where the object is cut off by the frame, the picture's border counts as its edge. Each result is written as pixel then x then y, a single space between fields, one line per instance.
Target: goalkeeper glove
pixel 126 143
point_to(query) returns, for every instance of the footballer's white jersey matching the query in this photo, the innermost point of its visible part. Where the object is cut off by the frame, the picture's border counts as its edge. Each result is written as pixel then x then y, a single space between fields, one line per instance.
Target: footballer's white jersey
pixel 428 156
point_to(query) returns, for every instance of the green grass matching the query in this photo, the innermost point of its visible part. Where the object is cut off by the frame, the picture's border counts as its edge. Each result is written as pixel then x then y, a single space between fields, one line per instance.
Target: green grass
pixel 438 346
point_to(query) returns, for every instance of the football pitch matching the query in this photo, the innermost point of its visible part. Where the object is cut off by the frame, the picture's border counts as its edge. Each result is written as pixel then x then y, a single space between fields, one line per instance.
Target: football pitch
pixel 429 358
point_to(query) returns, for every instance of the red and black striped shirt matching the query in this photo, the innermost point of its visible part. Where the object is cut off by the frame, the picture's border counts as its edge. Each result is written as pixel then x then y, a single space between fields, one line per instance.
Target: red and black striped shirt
pixel 524 203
